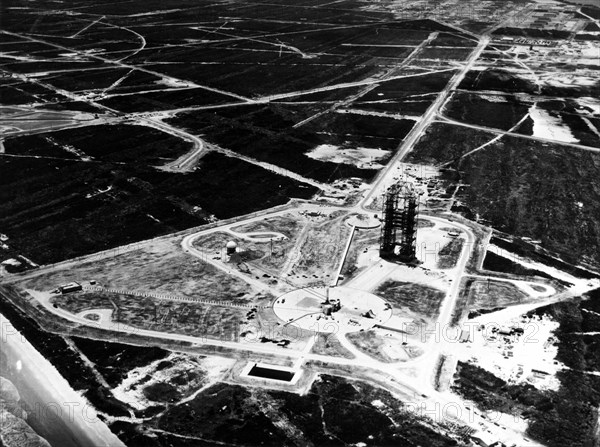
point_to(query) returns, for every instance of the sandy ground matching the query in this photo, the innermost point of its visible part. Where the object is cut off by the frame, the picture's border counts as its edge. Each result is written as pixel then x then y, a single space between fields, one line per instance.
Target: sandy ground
pixel 63 416
pixel 362 157
pixel 513 358
pixel 579 287
pixel 547 126
pixel 131 389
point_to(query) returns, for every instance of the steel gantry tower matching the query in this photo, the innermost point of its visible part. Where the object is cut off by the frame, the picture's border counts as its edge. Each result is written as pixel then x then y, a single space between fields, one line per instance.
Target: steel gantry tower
pixel 398 239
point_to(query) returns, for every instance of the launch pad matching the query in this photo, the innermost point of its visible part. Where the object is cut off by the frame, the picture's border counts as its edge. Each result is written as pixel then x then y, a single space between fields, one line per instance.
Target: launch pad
pixel 398 240
pixel 332 310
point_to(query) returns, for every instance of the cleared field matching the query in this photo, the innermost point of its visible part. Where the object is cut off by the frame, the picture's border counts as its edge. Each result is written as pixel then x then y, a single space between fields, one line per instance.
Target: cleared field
pixel 421 299
pixel 449 254
pixel 288 224
pixel 317 258
pixel 255 254
pixel 362 241
pixel 389 349
pixel 328 344
pixel 162 268
pixel 193 319
pixel 476 295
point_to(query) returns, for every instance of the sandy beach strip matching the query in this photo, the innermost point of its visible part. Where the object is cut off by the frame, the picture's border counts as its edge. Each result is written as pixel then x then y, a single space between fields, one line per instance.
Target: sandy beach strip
pixel 67 416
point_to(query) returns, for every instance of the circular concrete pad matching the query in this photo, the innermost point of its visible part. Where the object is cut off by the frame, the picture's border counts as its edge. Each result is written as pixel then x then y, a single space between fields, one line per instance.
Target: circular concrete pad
pixel 364 221
pixel 303 308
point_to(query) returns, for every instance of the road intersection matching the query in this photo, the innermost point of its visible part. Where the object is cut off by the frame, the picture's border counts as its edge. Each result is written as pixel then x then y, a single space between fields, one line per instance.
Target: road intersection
pixel 411 379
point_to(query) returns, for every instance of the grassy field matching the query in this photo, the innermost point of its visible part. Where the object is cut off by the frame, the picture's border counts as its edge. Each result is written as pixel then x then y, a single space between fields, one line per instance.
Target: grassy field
pixel 328 344
pixel 478 294
pixel 363 240
pixel 162 268
pixel 321 250
pixel 259 254
pixel 449 254
pixel 178 317
pixel 389 349
pixel 370 343
pixel 421 299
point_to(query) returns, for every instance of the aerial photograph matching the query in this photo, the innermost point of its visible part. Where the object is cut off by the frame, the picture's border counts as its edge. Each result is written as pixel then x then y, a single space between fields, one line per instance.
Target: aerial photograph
pixel 299 223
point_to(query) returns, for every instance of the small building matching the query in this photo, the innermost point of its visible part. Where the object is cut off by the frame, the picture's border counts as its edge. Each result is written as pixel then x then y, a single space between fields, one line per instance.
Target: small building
pixel 70 287
pixel 505 331
pixel 369 314
pixel 517 330
pixel 484 439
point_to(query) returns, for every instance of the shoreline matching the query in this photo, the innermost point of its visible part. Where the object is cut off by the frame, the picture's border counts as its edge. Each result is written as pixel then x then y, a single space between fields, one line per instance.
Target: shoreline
pixel 56 411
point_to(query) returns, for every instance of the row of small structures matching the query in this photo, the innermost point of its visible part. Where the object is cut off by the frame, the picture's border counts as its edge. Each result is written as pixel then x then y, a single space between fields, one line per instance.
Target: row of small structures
pixel 164 296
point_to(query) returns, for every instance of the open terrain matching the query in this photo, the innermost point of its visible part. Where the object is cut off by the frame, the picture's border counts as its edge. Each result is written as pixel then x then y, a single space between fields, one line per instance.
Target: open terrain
pixel 211 176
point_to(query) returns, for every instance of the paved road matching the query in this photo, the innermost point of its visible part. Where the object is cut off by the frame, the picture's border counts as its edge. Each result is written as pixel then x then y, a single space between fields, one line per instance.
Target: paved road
pixel 400 376
pixel 413 136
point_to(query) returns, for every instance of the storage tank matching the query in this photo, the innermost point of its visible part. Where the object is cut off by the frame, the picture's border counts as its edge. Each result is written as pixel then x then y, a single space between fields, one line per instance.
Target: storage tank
pixel 231 248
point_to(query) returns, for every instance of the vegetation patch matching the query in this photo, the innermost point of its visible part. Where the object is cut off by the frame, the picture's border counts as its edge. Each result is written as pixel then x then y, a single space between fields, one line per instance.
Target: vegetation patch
pixel 113 143
pixel 327 415
pixel 95 206
pixel 329 344
pixel 497 111
pixel 115 360
pixel 421 299
pixel 449 254
pixel 481 295
pixel 567 416
pixel 181 317
pixel 497 263
pixel 443 143
pixel 538 190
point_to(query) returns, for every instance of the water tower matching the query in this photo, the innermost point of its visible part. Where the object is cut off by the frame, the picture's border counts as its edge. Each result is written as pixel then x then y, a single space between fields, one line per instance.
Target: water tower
pixel 231 248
